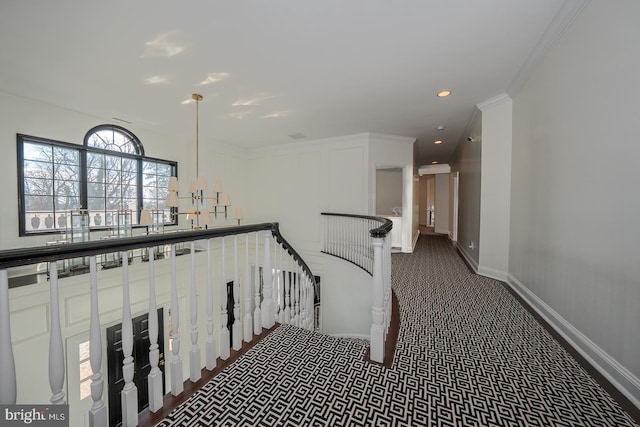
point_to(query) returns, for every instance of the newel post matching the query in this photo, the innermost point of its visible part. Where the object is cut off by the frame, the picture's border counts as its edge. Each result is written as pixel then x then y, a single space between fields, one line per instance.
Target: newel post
pixel 377 307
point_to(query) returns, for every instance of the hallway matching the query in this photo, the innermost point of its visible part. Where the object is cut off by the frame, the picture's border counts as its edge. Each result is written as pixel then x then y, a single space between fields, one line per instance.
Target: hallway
pixel 468 354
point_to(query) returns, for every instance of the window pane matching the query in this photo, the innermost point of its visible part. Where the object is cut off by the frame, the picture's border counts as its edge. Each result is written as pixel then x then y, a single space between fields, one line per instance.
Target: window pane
pixel 38 203
pixel 96 204
pixel 38 169
pixel 66 156
pixel 96 174
pixel 130 191
pixel 114 192
pixel 67 188
pixel 113 177
pixel 37 152
pixel 113 163
pixel 95 160
pixel 68 172
pixel 149 167
pixel 163 181
pixel 95 189
pixel 38 186
pixel 149 193
pixel 66 203
pixel 164 169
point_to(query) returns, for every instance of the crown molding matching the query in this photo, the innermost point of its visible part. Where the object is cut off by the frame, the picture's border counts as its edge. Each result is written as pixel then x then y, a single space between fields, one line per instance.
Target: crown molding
pixel 568 12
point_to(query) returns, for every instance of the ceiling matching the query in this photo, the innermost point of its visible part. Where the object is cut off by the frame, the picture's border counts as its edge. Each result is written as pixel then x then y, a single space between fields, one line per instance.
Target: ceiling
pixel 272 68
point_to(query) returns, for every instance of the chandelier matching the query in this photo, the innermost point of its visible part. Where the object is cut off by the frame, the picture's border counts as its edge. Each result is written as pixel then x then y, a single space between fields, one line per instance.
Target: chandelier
pixel 198 212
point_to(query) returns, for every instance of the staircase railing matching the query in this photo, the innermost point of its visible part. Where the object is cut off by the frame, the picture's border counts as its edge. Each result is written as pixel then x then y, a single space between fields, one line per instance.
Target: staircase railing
pixel 280 289
pixel 365 241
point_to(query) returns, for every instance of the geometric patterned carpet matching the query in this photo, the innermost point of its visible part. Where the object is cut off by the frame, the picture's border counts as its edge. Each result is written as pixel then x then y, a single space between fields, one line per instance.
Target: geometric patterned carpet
pixel 468 354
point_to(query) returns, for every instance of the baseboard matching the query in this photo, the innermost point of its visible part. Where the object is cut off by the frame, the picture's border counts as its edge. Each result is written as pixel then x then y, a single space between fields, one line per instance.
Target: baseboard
pixel 620 377
pixel 416 236
pixel 472 263
pixel 492 273
pixel 356 336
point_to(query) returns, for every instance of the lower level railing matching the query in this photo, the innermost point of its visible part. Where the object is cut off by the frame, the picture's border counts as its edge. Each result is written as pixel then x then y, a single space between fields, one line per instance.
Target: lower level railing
pixel 365 241
pixel 270 282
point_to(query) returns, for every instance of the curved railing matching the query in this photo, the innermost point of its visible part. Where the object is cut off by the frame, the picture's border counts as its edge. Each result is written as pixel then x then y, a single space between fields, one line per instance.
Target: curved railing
pixel 274 281
pixel 365 241
pixel 350 237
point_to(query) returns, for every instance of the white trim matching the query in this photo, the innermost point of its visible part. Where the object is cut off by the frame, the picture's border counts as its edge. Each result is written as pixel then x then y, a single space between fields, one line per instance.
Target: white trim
pixel 627 383
pixel 357 336
pixel 492 102
pixel 434 169
pixel 416 236
pixel 492 273
pixel 472 262
pixel 562 21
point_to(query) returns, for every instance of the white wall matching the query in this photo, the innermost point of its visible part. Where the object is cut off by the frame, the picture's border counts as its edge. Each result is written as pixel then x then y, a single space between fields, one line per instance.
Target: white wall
pixel 442 203
pixel 467 163
pixel 388 190
pixel 574 199
pixel 495 187
pixel 396 151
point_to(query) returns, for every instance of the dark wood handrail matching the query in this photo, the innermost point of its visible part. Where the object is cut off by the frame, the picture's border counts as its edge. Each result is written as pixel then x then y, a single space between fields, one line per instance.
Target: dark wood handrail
pixel 37 254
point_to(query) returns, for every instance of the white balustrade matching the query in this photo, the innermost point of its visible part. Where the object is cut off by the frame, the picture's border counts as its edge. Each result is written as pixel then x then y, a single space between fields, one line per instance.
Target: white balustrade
pixel 177 385
pixel 194 352
pixel 286 297
pixel 98 415
pixel 129 394
pixel 257 314
pixel 8 385
pixel 267 308
pixel 248 325
pixel 56 350
pixel 349 237
pixel 225 350
pixel 212 360
pixel 237 322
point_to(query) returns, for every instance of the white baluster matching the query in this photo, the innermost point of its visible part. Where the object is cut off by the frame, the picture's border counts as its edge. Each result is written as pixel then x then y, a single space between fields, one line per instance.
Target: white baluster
pixel 56 351
pixel 296 296
pixel 287 296
pixel 303 297
pixel 8 385
pixel 377 309
pixel 194 352
pixel 212 360
pixel 225 351
pixel 280 287
pixel 98 415
pixel 154 380
pixel 129 394
pixel 177 385
pixel 257 313
pixel 267 303
pixel 248 325
pixel 237 322
pixel 275 280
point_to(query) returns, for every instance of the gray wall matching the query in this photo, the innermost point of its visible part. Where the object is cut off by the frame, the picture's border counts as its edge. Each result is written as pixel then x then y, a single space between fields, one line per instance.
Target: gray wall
pixel 575 198
pixel 467 162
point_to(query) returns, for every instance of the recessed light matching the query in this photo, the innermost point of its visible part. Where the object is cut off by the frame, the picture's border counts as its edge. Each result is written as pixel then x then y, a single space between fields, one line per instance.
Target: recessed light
pixel 434 162
pixel 437 142
pixel 441 128
pixel 444 93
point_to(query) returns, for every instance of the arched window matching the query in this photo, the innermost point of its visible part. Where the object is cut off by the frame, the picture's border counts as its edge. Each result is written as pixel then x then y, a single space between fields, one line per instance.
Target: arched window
pixel 107 173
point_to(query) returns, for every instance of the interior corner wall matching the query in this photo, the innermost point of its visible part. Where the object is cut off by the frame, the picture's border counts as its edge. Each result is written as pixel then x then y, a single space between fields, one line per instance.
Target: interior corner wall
pixel 442 204
pixel 495 188
pixel 574 197
pixel 467 162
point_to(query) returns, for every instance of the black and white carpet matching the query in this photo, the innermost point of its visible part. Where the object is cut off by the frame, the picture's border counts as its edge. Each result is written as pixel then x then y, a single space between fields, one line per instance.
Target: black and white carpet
pixel 468 354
